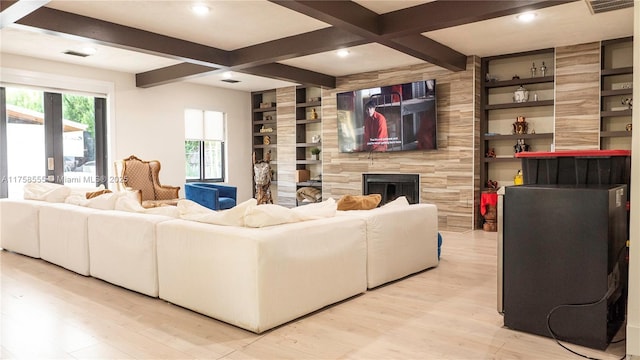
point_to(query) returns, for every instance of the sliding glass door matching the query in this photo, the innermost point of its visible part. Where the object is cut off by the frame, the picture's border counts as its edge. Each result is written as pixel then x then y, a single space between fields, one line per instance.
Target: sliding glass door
pixel 50 137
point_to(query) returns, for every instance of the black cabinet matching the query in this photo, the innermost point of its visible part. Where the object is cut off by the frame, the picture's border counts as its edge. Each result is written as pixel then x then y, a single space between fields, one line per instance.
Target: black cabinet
pixel 565 245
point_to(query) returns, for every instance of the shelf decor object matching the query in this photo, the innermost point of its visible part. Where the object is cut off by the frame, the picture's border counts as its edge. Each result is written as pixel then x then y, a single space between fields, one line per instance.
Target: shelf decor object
pixel 521 95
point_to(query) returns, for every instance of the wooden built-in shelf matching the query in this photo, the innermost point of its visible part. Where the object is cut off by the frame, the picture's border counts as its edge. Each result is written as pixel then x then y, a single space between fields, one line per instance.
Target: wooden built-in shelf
pixel 309 104
pixel 617 92
pixel 518 136
pixel 617 71
pixel 610 134
pixel 500 159
pixel 518 82
pixel 308 121
pixel 611 113
pixel 519 105
pixel 273 108
pixel 308 162
pixel 308 145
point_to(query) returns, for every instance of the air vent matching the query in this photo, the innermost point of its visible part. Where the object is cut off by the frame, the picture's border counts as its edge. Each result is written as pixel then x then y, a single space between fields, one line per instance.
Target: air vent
pixel 230 81
pixel 75 53
pixel 600 6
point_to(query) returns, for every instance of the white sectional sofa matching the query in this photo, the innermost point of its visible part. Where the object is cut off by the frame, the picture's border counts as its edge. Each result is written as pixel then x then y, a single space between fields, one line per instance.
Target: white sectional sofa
pixel 64 235
pixel 253 278
pixel 258 278
pixel 401 241
pixel 122 246
pixel 19 229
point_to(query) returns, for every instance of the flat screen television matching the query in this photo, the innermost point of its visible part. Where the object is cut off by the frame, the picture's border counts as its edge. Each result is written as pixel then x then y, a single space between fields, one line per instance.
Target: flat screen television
pixel 388 118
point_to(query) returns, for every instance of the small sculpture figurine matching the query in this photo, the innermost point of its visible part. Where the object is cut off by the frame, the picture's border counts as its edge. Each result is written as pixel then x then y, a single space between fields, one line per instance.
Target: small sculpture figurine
pixel 314 114
pixel 628 102
pixel 491 153
pixel 520 126
pixel 543 69
pixel 520 146
pixel 629 127
pixel 492 184
pixel 518 178
pixel 533 70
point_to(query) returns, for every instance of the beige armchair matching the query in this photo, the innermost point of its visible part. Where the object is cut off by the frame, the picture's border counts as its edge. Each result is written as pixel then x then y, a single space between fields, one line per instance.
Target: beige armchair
pixel 143 175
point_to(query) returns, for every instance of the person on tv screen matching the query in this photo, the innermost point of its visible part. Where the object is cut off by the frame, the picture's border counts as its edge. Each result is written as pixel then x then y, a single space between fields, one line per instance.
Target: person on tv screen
pixel 375 129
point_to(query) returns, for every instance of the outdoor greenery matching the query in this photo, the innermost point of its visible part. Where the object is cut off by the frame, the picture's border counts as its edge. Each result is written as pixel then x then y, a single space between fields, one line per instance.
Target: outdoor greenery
pixel 28 99
pixel 80 109
pixel 74 107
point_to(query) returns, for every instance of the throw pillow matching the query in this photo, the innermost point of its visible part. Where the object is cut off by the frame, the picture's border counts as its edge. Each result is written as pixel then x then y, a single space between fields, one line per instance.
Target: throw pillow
pixel 398 202
pixel 359 202
pixel 92 194
pixel 319 210
pixel 309 193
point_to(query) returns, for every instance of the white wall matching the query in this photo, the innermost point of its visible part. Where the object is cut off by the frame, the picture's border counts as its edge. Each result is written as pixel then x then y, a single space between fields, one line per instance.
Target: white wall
pixel 149 123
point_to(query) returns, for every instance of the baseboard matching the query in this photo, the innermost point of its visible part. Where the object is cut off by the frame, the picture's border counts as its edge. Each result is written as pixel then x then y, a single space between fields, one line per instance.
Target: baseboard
pixel 633 342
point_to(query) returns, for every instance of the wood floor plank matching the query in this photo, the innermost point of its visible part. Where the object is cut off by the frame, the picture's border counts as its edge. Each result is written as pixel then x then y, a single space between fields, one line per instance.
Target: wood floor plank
pixel 448 312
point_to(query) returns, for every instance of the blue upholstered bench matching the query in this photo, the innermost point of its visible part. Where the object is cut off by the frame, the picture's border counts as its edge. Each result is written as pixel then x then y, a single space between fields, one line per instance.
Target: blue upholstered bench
pixel 211 195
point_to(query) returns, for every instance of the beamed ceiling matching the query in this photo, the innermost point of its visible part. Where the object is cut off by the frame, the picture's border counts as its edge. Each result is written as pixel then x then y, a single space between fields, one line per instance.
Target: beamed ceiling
pixel 289 40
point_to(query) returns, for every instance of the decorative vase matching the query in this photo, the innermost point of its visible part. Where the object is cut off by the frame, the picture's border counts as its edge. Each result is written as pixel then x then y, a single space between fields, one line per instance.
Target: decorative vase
pixel 521 95
pixel 533 70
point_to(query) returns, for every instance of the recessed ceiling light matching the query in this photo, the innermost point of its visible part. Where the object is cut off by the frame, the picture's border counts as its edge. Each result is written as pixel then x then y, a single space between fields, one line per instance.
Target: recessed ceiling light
pixel 227 74
pixel 343 53
pixel 526 17
pixel 200 9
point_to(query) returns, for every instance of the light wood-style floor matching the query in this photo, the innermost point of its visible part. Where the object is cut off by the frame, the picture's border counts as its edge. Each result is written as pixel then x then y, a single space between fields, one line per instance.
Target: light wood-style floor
pixel 444 313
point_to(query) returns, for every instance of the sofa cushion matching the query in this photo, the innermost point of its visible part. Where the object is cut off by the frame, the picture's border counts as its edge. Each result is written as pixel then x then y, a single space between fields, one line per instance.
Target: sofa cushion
pixel 269 215
pixel 359 202
pixel 317 210
pixel 49 192
pixel 226 203
pixel 190 210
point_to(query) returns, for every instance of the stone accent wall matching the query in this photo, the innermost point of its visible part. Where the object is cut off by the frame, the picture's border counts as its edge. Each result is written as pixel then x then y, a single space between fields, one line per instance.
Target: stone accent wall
pixel 577 107
pixel 448 176
pixel 286 146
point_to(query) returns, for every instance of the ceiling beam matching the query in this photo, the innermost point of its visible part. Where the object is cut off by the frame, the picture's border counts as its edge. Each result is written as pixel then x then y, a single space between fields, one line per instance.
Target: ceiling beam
pixel 12 11
pixel 199 59
pixel 288 73
pixel 313 42
pixel 171 74
pixel 437 15
pixel 124 37
pixel 355 18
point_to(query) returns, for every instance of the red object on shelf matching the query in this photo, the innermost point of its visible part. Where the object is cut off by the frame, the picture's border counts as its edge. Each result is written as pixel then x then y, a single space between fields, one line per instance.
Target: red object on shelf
pixel 573 153
pixel 487 198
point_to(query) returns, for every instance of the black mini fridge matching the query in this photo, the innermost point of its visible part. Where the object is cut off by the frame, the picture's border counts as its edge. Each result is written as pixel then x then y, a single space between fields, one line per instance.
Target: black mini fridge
pixel 564 261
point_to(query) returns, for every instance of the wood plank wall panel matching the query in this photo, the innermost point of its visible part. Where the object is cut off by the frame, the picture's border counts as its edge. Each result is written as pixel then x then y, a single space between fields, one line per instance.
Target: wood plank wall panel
pixel 577 109
pixel 286 146
pixel 448 175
